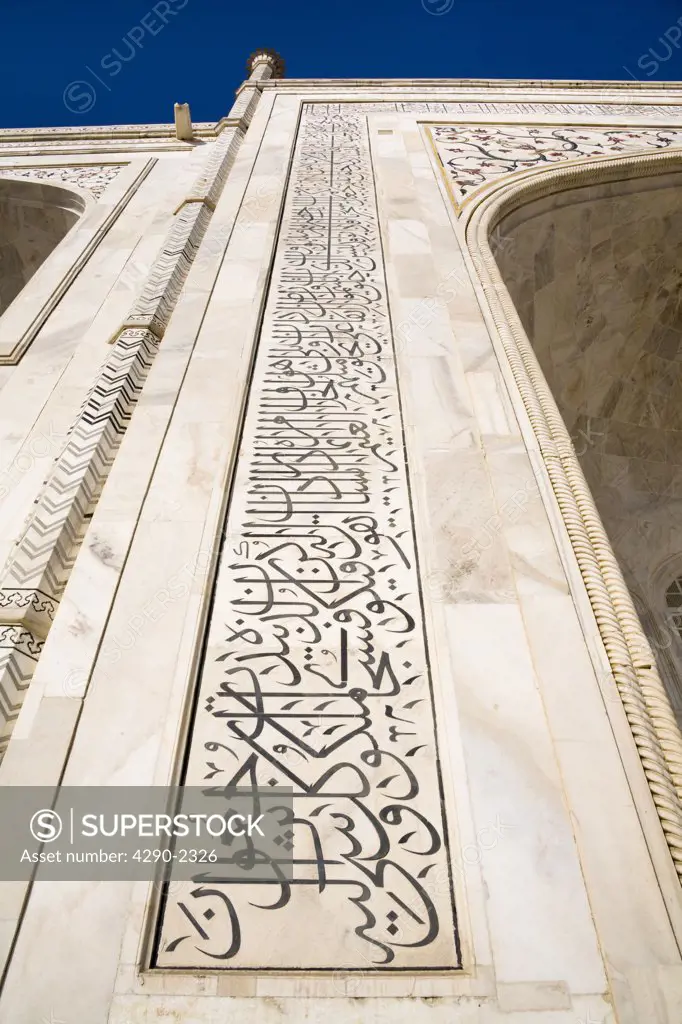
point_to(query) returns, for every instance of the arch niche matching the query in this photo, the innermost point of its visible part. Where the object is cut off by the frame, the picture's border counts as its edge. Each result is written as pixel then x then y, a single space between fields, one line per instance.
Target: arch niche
pixel 34 218
pixel 582 272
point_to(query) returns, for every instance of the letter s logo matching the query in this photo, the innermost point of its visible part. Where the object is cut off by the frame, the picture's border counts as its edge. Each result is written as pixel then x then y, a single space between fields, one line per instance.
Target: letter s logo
pixel 46 826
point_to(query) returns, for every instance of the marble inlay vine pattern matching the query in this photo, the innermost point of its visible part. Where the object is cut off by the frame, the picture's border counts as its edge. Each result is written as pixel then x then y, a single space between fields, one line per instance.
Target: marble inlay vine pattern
pixel 474 156
pixel 94 179
pixel 316 673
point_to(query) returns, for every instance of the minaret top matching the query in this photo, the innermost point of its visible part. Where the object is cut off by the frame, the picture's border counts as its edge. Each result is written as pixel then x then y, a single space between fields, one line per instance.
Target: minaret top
pixel 266 56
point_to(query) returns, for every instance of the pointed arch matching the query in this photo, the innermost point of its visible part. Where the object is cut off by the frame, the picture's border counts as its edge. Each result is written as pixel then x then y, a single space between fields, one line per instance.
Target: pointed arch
pixel 34 218
pixel 632 663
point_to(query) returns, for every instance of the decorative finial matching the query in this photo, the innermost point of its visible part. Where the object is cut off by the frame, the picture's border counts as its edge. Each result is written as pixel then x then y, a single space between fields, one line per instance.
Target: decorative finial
pixel 270 57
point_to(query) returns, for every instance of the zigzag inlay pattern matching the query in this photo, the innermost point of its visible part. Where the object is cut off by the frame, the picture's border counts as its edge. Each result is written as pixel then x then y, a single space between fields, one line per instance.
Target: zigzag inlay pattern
pixel 47 550
pixel 19 653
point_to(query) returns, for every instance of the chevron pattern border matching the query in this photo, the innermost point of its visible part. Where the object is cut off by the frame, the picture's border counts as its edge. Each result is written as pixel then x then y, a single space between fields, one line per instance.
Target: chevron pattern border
pixel 45 555
pixel 38 569
pixel 19 653
pixel 209 184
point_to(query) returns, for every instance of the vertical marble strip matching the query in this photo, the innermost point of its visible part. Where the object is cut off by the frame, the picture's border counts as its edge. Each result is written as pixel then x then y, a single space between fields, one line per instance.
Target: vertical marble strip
pixel 46 553
pixel 209 184
pixel 153 308
pixel 316 672
pixel 38 568
pixel 19 653
pixel 245 104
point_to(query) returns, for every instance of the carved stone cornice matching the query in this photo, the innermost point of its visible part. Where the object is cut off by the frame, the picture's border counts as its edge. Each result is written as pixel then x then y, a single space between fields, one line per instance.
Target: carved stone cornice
pixel 345 90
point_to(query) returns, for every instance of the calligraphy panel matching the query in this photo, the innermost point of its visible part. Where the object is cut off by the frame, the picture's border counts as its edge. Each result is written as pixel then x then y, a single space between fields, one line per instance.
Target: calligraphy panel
pixel 315 675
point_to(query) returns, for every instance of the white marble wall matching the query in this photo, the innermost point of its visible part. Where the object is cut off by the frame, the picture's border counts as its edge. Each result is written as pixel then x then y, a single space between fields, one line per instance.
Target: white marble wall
pixel 568 906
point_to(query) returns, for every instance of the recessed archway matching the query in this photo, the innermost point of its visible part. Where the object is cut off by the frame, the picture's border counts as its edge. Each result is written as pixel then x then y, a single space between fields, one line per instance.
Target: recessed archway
pixel 34 218
pixel 633 668
pixel 595 273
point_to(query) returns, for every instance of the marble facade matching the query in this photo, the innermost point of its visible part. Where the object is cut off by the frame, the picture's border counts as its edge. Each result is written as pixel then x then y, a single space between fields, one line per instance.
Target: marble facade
pixel 293 488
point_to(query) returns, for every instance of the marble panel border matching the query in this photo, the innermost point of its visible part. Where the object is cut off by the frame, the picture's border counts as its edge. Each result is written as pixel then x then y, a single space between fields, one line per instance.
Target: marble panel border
pixel 632 666
pixel 30 310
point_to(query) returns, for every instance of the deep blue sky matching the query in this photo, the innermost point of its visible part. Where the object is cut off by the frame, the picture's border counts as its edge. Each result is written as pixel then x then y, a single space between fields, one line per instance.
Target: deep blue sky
pixel 198 55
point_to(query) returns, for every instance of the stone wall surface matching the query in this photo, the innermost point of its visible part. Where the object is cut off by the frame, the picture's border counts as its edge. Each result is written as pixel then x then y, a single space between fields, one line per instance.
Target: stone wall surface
pixel 269 422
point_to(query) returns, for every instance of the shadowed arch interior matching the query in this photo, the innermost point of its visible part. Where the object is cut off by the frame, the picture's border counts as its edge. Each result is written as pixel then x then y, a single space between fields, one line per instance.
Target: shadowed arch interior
pixel 34 218
pixel 595 274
